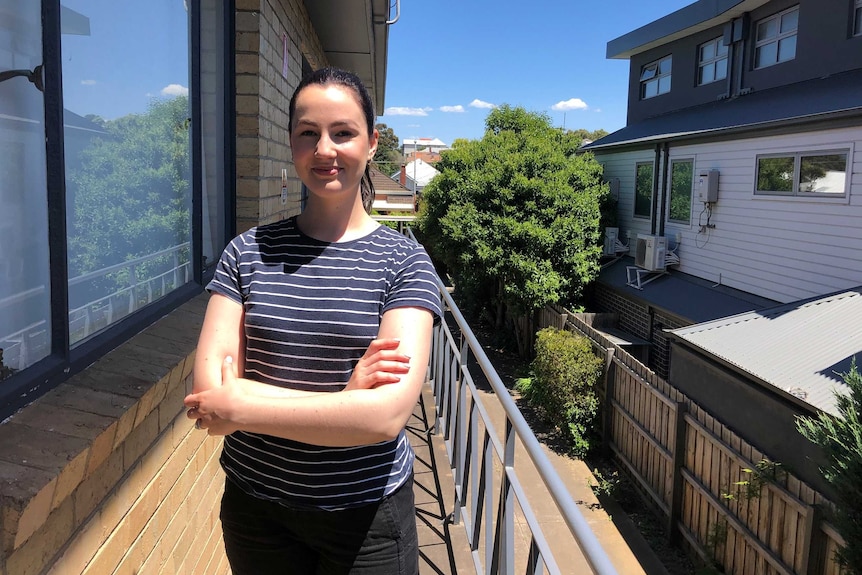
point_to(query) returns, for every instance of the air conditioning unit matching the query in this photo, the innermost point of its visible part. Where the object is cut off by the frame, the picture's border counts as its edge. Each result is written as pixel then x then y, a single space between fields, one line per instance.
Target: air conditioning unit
pixel 650 252
pixel 611 235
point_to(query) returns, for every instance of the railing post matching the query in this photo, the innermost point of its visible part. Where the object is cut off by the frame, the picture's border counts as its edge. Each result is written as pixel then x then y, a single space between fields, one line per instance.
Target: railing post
pixel 676 494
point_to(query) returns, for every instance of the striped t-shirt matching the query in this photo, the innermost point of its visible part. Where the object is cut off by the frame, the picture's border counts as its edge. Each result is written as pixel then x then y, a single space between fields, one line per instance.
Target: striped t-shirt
pixel 311 310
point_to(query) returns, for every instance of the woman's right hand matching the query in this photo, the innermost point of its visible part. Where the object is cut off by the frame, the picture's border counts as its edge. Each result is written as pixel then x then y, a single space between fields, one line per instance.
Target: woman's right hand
pixel 381 364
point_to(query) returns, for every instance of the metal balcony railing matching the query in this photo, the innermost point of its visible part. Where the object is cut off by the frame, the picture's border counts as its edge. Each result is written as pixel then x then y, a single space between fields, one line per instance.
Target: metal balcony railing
pixel 487 484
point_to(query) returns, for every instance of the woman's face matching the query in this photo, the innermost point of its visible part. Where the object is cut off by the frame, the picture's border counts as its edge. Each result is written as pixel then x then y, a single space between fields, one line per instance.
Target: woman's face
pixel 330 141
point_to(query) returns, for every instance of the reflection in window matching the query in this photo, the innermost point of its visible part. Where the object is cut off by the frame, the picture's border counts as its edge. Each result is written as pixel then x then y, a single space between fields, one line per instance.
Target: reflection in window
pixel 655 78
pixel 682 177
pixel 25 287
pixel 712 61
pixel 643 191
pixel 776 38
pixel 803 174
pixel 126 129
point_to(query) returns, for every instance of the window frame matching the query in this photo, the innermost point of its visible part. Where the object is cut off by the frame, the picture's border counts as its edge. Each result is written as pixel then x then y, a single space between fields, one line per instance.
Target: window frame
pixel 656 77
pixel 797 155
pixel 856 18
pixel 635 213
pixel 775 39
pixel 701 63
pixel 672 162
pixel 63 360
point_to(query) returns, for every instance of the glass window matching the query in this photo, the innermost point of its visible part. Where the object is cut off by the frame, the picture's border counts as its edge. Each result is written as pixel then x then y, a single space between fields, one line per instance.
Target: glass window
pixel 776 38
pixel 857 18
pixel 127 157
pixel 643 190
pixel 820 174
pixel 712 65
pixel 682 178
pixel 25 286
pixel 655 78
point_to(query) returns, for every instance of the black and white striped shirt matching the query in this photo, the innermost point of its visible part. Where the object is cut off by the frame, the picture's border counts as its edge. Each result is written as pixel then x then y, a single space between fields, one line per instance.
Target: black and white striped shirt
pixel 311 310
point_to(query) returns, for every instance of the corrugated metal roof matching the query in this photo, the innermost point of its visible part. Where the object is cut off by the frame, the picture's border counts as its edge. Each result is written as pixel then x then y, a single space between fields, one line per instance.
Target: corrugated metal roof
pixel 800 348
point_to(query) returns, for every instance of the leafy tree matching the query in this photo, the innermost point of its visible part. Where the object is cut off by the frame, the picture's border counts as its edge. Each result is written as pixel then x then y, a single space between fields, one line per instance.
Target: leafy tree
pixel 584 134
pixel 514 219
pixel 388 157
pixel 841 440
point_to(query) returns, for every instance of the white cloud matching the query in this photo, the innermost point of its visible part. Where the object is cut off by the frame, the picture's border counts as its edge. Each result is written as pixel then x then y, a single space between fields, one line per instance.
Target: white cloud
pixel 405 111
pixel 477 103
pixel 458 109
pixel 175 90
pixel 572 104
pixel 88 82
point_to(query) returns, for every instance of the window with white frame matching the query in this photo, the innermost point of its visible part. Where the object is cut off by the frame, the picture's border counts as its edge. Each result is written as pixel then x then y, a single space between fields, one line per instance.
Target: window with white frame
pixel 811 174
pixel 775 39
pixel 655 78
pixel 712 61
pixel 682 178
pixel 857 18
pixel 643 190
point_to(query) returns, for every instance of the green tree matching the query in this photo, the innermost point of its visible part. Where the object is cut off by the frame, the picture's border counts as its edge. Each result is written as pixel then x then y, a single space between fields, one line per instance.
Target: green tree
pixel 841 440
pixel 514 219
pixel 388 157
pixel 585 134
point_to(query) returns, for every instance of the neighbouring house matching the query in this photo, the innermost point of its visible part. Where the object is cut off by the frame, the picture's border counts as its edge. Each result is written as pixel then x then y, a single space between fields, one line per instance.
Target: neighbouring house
pixel 391 197
pixel 738 179
pixel 433 145
pixel 119 191
pixel 415 175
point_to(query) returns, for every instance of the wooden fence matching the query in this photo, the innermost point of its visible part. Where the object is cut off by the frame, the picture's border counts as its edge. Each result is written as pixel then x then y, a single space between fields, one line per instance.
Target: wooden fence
pixel 716 491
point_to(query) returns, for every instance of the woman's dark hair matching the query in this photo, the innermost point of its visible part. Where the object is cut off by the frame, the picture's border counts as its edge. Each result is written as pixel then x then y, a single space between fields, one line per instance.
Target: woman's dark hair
pixel 326 76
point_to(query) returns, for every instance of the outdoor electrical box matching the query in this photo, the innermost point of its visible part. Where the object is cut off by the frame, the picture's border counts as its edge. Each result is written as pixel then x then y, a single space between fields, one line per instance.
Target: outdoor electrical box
pixel 707 186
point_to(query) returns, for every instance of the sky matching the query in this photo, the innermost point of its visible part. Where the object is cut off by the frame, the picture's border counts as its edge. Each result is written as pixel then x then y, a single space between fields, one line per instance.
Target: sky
pixel 451 61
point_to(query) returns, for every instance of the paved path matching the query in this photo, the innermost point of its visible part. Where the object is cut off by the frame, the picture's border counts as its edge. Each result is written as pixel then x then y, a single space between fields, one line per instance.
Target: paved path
pixel 444 548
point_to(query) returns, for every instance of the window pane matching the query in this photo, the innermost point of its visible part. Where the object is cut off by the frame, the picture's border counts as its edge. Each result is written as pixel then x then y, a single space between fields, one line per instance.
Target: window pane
pixel 664 66
pixel 128 189
pixel 789 21
pixel 707 73
pixel 766 55
pixel 857 19
pixel 649 72
pixel 680 191
pixel 775 174
pixel 643 190
pixel 25 296
pixel 664 85
pixel 722 49
pixel 767 29
pixel 787 49
pixel 707 51
pixel 721 69
pixel 651 89
pixel 823 174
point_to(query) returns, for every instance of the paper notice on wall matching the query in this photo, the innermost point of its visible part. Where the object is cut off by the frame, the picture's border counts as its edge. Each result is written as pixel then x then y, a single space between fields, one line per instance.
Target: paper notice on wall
pixel 284 55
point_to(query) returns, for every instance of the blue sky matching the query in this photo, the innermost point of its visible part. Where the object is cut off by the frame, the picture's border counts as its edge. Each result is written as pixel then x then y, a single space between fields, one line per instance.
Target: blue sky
pixel 450 59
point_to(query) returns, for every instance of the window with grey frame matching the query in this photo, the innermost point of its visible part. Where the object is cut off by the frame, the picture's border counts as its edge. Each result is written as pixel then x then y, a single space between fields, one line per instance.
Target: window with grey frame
pixel 682 180
pixel 643 190
pixel 857 18
pixel 811 174
pixel 655 78
pixel 712 61
pixel 775 38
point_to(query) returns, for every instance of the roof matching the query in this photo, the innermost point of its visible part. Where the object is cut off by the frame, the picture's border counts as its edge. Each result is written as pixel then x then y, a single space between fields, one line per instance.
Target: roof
pixel 812 100
pixel 693 18
pixel 383 184
pixel 798 348
pixel 419 170
pixel 437 143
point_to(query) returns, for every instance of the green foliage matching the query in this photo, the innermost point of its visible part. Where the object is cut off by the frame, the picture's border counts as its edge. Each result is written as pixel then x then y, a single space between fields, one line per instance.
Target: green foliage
pixel 514 217
pixel 584 134
pixel 388 156
pixel 606 485
pixel 565 373
pixel 841 440
pixel 682 180
pixel 751 487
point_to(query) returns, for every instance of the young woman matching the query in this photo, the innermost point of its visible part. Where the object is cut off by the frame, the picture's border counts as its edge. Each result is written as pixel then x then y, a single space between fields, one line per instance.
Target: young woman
pixel 327 316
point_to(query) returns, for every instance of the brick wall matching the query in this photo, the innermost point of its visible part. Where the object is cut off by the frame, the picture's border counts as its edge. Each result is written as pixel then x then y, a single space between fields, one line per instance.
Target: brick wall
pixel 639 318
pixel 262 96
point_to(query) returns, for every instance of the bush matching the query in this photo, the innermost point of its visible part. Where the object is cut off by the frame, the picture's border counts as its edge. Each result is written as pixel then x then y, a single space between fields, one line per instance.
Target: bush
pixel 562 387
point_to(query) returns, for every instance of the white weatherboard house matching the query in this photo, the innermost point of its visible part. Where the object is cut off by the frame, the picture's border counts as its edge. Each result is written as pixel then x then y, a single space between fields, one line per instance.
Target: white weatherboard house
pixel 742 156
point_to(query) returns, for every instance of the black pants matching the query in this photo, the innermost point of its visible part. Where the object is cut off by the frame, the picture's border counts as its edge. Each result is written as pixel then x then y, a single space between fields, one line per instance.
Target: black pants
pixel 263 537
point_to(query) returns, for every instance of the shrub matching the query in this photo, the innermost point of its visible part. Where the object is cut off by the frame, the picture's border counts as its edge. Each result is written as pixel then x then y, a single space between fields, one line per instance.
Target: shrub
pixel 562 387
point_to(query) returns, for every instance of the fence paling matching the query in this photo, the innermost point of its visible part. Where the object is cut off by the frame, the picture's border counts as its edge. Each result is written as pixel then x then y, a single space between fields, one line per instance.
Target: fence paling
pixel 651 425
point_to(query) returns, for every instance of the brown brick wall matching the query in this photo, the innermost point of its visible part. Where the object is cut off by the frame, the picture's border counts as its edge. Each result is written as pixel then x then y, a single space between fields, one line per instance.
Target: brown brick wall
pixel 263 93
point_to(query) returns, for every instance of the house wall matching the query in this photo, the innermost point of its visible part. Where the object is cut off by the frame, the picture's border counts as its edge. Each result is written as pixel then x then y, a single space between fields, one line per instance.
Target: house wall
pixel 824 46
pixel 760 416
pixel 781 248
pixel 105 474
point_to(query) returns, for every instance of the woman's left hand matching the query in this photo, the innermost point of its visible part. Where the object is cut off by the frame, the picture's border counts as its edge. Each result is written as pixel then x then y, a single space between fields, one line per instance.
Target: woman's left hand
pixel 212 409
